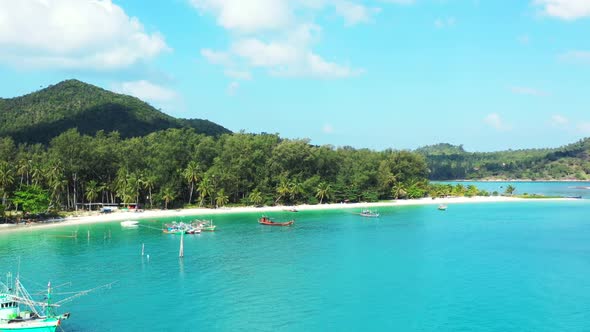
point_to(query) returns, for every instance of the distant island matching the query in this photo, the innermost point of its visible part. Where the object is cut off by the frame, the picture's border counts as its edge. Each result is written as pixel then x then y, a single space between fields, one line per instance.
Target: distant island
pixel 74 146
pixel 566 163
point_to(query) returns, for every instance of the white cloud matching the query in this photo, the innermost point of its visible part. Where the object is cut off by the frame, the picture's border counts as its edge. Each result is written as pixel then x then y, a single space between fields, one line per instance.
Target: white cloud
pixel 248 16
pixel 266 54
pixel 354 13
pixel 145 90
pixel 279 36
pixel 520 90
pixel 565 9
pixel 328 129
pixel 73 34
pixel 582 57
pixel 447 22
pixel 289 60
pixel 495 121
pixel 559 120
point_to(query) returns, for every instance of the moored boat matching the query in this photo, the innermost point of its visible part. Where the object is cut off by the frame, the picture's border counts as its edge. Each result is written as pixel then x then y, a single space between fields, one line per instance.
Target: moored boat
pixel 130 223
pixel 204 225
pixel 442 207
pixel 20 312
pixel 369 213
pixel 269 222
pixel 193 230
pixel 39 317
pixel 175 228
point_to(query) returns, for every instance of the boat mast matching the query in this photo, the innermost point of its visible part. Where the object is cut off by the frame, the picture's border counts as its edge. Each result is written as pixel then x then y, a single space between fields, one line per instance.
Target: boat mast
pixel 181 252
pixel 47 309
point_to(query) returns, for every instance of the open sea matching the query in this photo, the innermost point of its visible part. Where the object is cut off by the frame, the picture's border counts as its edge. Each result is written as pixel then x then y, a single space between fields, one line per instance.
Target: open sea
pixel 521 266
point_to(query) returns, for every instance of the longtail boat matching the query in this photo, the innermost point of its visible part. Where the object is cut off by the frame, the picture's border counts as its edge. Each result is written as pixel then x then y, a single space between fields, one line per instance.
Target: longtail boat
pixel 267 221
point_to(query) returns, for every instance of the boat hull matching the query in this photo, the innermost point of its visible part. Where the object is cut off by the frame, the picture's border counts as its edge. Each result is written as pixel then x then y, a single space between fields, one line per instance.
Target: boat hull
pixel 45 325
pixel 270 223
pixel 370 215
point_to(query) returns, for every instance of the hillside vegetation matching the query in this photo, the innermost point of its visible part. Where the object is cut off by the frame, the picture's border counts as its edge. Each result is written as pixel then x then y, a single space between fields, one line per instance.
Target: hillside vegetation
pixel 42 115
pixel 449 162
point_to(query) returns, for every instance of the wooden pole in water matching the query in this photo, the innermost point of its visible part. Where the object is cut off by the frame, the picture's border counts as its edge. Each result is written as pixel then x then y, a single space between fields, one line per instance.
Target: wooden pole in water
pixel 142 248
pixel 88 234
pixel 181 252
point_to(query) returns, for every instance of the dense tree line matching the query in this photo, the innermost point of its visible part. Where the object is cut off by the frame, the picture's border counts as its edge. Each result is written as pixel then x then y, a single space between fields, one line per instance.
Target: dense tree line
pixel 448 162
pixel 179 167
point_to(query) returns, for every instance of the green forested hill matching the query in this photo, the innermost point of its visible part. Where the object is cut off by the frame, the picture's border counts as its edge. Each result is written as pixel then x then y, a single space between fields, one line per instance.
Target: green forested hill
pixel 42 115
pixel 570 162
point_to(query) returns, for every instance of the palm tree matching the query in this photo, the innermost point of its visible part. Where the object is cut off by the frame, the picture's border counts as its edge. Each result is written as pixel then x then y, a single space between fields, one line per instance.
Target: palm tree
pixel 205 189
pixel 459 190
pixel 399 190
pixel 168 195
pixel 6 179
pixel 134 184
pixel 92 191
pixel 324 191
pixel 36 174
pixel 510 190
pixel 120 184
pixel 23 169
pixel 192 174
pixel 148 183
pixel 255 197
pixel 283 190
pixel 57 186
pixel 221 198
pixel 471 190
pixel 296 189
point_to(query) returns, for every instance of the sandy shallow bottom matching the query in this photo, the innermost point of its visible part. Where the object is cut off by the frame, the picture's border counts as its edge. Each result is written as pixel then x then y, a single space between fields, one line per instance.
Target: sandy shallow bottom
pixel 152 214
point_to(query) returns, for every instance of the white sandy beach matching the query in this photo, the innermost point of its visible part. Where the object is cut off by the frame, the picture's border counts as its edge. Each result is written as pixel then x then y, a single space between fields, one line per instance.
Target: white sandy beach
pixel 154 214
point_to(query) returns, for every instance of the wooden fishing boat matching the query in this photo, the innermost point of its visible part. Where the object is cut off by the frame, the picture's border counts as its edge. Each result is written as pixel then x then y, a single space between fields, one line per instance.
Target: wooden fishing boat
pixel 267 221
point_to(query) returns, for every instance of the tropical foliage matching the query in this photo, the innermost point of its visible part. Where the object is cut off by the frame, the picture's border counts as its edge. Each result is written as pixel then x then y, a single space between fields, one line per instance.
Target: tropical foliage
pixel 449 162
pixel 42 115
pixel 174 167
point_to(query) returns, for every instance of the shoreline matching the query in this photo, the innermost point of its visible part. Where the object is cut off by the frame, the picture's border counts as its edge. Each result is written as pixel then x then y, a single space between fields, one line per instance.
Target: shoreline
pixel 151 214
pixel 512 180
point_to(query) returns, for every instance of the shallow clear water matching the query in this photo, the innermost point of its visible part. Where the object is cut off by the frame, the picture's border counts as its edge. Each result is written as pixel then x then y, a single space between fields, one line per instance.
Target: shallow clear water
pixel 565 189
pixel 475 267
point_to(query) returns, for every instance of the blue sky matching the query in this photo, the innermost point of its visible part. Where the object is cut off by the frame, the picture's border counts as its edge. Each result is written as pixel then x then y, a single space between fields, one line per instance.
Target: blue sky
pixel 400 74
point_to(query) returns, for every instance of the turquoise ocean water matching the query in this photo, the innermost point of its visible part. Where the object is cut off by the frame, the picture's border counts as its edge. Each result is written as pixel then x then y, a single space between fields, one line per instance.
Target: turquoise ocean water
pixel 574 188
pixel 475 267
